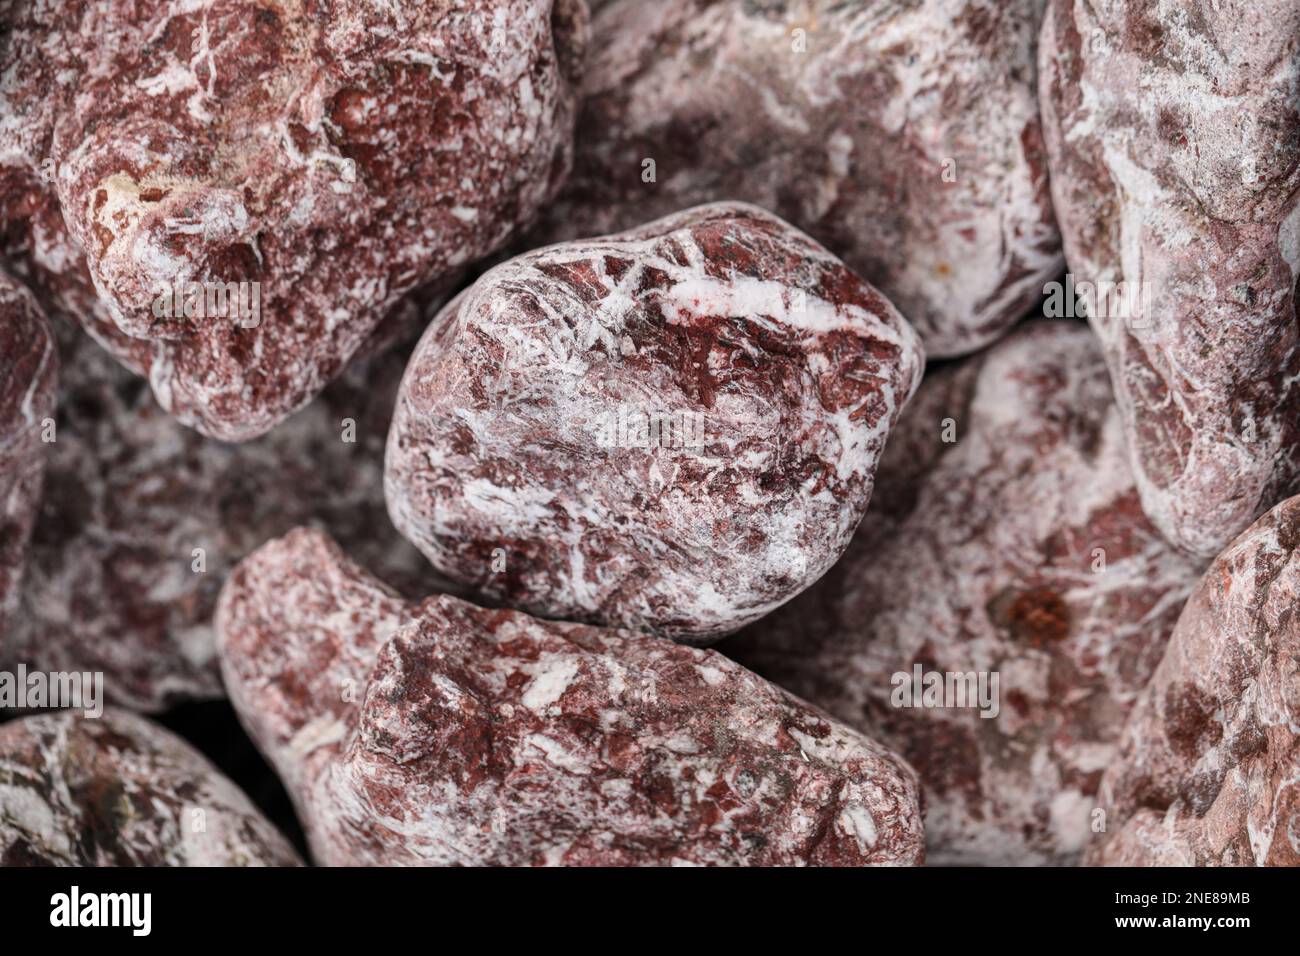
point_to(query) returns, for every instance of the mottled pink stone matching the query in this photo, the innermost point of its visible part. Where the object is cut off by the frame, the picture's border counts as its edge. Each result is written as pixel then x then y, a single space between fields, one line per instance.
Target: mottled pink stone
pixel 118 790
pixel 443 733
pixel 1208 770
pixel 1173 128
pixel 673 429
pixel 327 157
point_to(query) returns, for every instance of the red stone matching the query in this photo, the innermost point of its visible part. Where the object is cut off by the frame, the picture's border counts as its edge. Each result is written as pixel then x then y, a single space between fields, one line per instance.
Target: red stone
pixel 440 733
pixel 117 790
pixel 1173 129
pixel 1016 549
pixel 901 134
pixel 1208 769
pixel 524 459
pixel 332 158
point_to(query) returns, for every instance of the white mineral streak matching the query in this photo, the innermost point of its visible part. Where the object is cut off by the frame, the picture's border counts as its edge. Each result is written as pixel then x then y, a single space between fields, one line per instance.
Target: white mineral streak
pixel 549 684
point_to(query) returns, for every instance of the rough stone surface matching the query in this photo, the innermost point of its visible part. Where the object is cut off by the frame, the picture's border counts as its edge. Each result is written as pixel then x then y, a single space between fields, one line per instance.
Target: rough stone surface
pixel 120 791
pixel 904 136
pixel 1173 128
pixel 1208 773
pixel 131 493
pixel 28 372
pixel 444 733
pixel 112 584
pixel 35 245
pixel 1018 549
pixel 672 430
pixel 338 156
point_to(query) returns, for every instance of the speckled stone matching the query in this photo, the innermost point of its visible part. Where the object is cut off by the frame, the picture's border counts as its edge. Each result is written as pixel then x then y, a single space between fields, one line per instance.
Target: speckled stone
pixel 118 790
pixel 1173 128
pixel 901 134
pixel 672 430
pixel 443 733
pixel 1005 538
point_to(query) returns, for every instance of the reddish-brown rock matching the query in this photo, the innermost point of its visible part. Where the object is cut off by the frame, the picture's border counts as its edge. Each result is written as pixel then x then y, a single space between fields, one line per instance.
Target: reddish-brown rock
pixel 1173 128
pixel 28 371
pixel 1208 772
pixel 143 518
pixel 671 430
pixel 118 790
pixel 901 134
pixel 314 164
pixel 1005 540
pixel 444 733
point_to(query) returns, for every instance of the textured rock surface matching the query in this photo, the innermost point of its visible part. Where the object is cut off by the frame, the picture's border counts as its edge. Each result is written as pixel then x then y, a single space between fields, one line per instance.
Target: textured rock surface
pixel 121 791
pixel 1173 128
pixel 112 583
pixel 35 245
pixel 981 555
pixel 1209 770
pixel 131 493
pixel 904 136
pixel 671 430
pixel 336 156
pixel 28 371
pixel 444 733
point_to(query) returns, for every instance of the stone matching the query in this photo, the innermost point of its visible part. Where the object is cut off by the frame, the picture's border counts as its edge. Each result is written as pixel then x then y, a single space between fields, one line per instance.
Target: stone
pixel 1208 769
pixel 254 187
pixel 119 790
pixel 671 430
pixel 444 733
pixel 1005 543
pixel 1173 130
